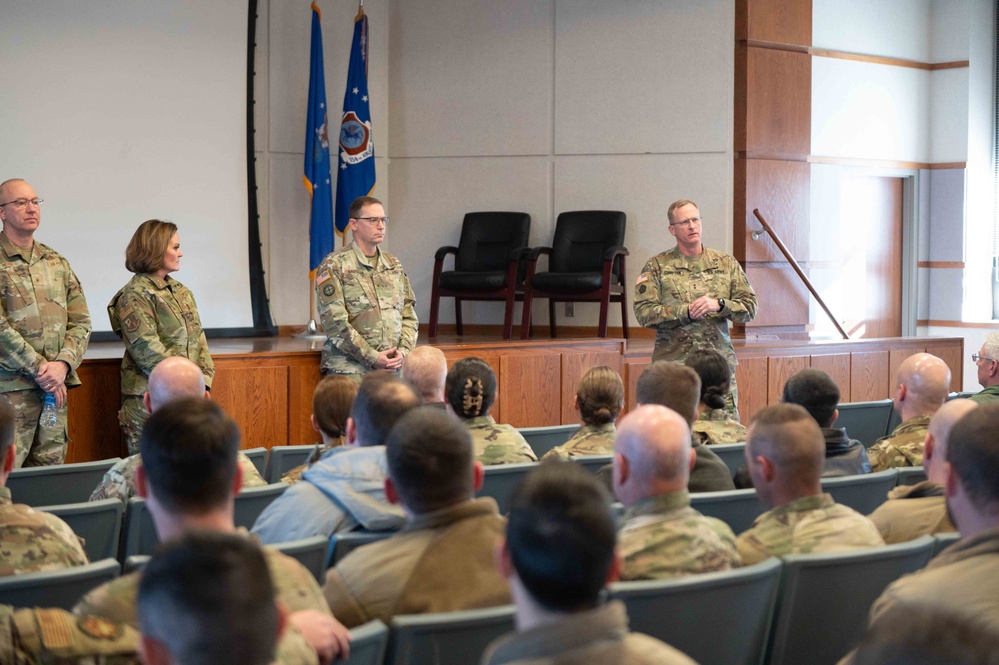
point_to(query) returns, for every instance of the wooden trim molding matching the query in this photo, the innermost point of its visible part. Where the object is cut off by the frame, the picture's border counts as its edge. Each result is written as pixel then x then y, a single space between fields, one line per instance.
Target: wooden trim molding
pixel 941 264
pixel 883 60
pixel 885 163
pixel 993 325
pixel 775 46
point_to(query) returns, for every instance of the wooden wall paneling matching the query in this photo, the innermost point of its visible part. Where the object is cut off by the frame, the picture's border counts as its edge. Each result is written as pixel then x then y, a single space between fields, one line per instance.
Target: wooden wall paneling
pixel 531 387
pixel 869 378
pixel 632 370
pixel 780 21
pixel 837 366
pixel 493 360
pixel 954 357
pixel 751 377
pixel 302 382
pixel 895 358
pixel 92 413
pixel 782 297
pixel 780 189
pixel 779 103
pixel 779 370
pixel 574 366
pixel 256 397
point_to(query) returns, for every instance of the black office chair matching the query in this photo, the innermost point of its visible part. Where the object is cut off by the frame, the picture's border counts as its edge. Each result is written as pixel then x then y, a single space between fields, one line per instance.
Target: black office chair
pixel 585 264
pixel 487 265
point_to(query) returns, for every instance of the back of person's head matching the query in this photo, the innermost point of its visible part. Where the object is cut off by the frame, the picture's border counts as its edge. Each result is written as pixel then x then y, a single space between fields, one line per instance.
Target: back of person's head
pixel 787 436
pixel 207 599
pixel 561 535
pixel 189 449
pixel 715 375
pixel 381 400
pixel 672 385
pixel 470 388
pixel 173 378
pixel 430 460
pixel 973 454
pixel 8 418
pixel 926 383
pixel 426 369
pixel 600 396
pixel 938 437
pixel 654 442
pixel 814 390
pixel 928 634
pixel 332 402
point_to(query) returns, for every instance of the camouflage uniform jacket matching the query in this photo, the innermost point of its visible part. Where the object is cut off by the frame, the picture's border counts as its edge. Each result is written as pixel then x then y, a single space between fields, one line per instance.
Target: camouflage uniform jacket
pixel 912 511
pixel 664 537
pixel 32 541
pixel 671 281
pixel 119 481
pixel 365 306
pixel 589 440
pixel 498 444
pixel 55 637
pixel 903 447
pixel 987 395
pixel 806 525
pixel 43 315
pixel 157 318
pixel 715 427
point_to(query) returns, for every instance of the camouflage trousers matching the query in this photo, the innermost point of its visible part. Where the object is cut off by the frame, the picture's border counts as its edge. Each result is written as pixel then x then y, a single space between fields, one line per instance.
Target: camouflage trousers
pixel 132 416
pixel 36 445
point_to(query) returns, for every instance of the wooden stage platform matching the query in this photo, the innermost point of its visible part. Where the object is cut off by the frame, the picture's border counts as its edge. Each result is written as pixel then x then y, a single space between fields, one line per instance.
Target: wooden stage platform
pixel 266 383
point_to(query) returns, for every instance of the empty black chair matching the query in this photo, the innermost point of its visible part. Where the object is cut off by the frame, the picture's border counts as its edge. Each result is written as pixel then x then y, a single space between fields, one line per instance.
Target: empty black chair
pixel 585 264
pixel 487 265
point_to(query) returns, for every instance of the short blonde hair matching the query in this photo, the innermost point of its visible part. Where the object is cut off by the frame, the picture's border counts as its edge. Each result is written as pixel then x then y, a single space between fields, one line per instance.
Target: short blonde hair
pixel 679 204
pixel 147 248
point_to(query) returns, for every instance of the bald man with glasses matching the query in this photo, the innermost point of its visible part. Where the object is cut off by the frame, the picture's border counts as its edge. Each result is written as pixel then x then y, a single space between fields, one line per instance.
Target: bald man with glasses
pixel 44 327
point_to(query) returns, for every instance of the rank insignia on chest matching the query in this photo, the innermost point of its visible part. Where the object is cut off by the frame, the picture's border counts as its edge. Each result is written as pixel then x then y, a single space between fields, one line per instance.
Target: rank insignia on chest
pixel 329 290
pixel 324 276
pixel 644 277
pixel 98 628
pixel 131 323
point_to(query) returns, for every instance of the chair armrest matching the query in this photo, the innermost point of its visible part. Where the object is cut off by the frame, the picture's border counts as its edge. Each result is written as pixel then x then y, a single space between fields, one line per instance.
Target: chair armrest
pixel 614 252
pixel 518 254
pixel 535 252
pixel 444 251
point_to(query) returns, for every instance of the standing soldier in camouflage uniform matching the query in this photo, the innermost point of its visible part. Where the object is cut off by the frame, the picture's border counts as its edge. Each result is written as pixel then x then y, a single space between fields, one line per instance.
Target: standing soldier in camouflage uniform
pixel 713 426
pixel 662 535
pixel 156 317
pixel 922 383
pixel 470 389
pixel 599 400
pixel 44 326
pixel 689 293
pixel 786 453
pixel 365 302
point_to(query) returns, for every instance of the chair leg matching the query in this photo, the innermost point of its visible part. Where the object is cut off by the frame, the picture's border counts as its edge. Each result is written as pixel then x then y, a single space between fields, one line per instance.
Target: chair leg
pixel 458 327
pixel 553 326
pixel 525 316
pixel 624 315
pixel 602 322
pixel 435 309
pixel 508 315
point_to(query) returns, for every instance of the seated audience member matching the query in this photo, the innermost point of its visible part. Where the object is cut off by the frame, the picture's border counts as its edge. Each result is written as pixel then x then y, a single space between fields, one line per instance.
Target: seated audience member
pixel 815 390
pixel 345 490
pixel 785 453
pixel 915 510
pixel 27 638
pixel 662 535
pixel 426 370
pixel 928 636
pixel 471 389
pixel 558 556
pixel 987 363
pixel 922 383
pixel 172 378
pixel 207 598
pixel 713 424
pixel 332 401
pixel 964 578
pixel 190 478
pixel 30 541
pixel 599 399
pixel 442 559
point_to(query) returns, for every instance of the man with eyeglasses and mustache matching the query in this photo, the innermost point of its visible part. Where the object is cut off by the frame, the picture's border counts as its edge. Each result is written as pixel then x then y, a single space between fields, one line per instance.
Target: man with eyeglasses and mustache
pixel 689 293
pixel 44 327
pixel 365 302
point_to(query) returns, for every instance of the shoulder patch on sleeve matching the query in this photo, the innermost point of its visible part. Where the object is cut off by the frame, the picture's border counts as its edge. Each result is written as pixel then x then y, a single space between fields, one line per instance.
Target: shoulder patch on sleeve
pixel 644 277
pixel 54 628
pixel 98 628
pixel 324 276
pixel 131 323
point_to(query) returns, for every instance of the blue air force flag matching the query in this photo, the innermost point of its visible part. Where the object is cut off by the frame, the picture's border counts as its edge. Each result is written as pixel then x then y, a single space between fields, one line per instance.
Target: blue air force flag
pixel 317 155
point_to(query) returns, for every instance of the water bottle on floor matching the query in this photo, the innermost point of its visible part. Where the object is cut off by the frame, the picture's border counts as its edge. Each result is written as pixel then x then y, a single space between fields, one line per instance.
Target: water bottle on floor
pixel 50 413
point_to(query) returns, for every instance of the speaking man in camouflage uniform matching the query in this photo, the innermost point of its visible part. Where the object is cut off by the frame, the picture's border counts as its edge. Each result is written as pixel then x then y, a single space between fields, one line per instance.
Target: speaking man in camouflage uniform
pixel 662 535
pixel 689 293
pixel 365 302
pixel 44 326
pixel 785 452
pixel 922 383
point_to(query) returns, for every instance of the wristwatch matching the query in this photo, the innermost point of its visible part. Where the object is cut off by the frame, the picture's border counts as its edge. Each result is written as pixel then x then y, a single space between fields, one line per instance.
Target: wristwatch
pixel 721 304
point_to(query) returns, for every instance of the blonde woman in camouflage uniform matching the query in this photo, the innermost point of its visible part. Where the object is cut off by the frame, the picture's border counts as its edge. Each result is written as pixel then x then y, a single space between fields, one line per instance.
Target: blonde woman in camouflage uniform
pixel 713 425
pixel 599 400
pixel 470 390
pixel 156 317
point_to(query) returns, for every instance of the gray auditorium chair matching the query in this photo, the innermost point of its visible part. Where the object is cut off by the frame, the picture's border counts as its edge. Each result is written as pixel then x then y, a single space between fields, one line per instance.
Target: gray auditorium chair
pixel 367 644
pixel 97 522
pixel 259 458
pixel 500 479
pixel 738 605
pixel 283 459
pixel 56 588
pixel 593 463
pixel 737 508
pixel 251 501
pixel 543 439
pixel 58 484
pixel 942 541
pixel 910 475
pixel 865 421
pixel 342 544
pixel 733 454
pixel 825 599
pixel 446 638
pixel 863 492
pixel 310 552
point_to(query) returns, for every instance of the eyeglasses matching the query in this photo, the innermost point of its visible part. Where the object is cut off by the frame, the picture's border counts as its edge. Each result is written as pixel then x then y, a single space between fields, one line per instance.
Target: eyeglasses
pixel 374 221
pixel 687 222
pixel 21 204
pixel 976 357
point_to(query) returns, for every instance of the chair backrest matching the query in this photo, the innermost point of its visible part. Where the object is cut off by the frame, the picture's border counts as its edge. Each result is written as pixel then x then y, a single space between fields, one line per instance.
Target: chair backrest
pixel 593 463
pixel 61 588
pixel 825 598
pixel 582 237
pixel 283 459
pixel 487 238
pixel 737 508
pixel 543 439
pixel 97 522
pixel 342 544
pixel 446 638
pixel 259 458
pixel 500 479
pixel 134 563
pixel 942 541
pixel 310 552
pixel 865 421
pixel 863 492
pixel 910 475
pixel 59 484
pixel 251 501
pixel 677 611
pixel 367 644
pixel 733 454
